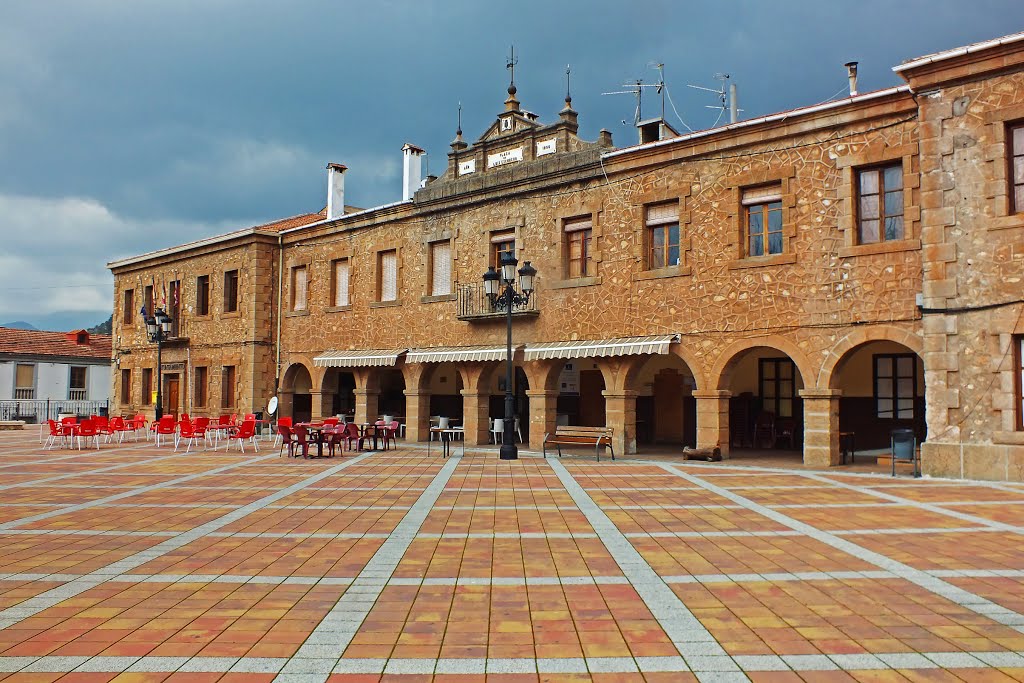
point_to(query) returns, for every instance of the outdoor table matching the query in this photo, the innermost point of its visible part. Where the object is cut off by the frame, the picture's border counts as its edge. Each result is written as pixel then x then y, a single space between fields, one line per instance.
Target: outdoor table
pixel 318 430
pixel 368 430
pixel 446 443
pixel 217 429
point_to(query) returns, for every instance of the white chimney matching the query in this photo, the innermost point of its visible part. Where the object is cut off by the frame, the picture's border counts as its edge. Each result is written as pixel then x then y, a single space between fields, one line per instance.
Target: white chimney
pixel 851 72
pixel 336 190
pixel 412 169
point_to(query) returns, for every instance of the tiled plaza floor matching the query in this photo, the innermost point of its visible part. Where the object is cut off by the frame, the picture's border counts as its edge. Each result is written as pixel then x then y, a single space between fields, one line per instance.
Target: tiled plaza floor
pixel 138 564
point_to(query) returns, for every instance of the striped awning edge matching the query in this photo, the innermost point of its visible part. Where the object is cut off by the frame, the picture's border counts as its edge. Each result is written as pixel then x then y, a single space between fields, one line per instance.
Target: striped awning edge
pixel 458 354
pixel 599 348
pixel 358 358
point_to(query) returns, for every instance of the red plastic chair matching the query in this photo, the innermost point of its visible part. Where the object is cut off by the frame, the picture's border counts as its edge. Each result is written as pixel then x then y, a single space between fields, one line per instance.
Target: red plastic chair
pixel 57 433
pixel 117 426
pixel 164 427
pixel 390 432
pixel 351 435
pixel 247 430
pixel 335 437
pixel 282 422
pixel 103 426
pixel 300 439
pixel 87 430
pixel 284 433
pixel 225 419
pixel 331 421
pixel 138 423
pixel 186 431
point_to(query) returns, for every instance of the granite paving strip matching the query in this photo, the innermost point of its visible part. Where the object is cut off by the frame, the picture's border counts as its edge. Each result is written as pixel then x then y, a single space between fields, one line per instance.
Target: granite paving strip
pixel 925 580
pixel 694 642
pixel 32 606
pixel 127 494
pixel 70 475
pixel 930 507
pixel 318 656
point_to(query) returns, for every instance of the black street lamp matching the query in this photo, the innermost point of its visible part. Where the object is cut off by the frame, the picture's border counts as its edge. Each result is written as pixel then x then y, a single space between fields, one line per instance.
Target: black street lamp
pixel 158 327
pixel 509 298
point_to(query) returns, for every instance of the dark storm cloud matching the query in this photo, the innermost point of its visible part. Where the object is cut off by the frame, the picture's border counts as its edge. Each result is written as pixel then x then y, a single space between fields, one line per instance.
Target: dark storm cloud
pixel 147 124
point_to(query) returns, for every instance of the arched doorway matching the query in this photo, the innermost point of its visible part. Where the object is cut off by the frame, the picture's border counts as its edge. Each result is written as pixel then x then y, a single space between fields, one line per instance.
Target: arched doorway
pixel 666 412
pixel 882 388
pixel 520 385
pixel 444 383
pixel 339 389
pixel 581 394
pixel 297 388
pixel 765 409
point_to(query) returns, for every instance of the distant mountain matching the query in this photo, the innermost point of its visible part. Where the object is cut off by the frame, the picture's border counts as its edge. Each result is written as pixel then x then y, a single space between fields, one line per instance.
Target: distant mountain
pixel 20 325
pixel 104 327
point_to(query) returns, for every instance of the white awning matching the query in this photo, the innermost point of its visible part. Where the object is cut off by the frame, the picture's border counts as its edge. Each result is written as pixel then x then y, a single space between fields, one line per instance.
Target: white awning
pixel 358 358
pixel 595 348
pixel 458 354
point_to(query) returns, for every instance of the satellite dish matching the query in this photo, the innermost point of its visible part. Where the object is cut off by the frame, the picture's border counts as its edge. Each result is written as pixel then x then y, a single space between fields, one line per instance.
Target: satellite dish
pixel 272 405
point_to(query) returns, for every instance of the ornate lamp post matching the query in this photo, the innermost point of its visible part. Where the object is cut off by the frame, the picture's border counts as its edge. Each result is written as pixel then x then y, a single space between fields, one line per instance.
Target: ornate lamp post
pixel 158 327
pixel 500 289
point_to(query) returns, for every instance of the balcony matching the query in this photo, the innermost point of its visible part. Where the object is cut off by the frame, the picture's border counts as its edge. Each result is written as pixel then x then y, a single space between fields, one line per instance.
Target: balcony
pixel 475 305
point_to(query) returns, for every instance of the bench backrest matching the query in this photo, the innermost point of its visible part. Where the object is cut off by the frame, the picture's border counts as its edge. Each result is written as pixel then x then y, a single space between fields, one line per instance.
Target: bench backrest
pixel 583 432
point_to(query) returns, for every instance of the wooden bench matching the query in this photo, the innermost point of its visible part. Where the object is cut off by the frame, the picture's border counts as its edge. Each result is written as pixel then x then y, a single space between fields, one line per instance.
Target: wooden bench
pixel 598 437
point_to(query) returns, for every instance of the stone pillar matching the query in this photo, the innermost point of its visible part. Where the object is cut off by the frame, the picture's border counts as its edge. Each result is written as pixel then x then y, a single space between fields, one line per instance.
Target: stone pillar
pixel 366 404
pixel 417 415
pixel 475 409
pixel 821 427
pixel 713 419
pixel 322 402
pixel 543 414
pixel 620 415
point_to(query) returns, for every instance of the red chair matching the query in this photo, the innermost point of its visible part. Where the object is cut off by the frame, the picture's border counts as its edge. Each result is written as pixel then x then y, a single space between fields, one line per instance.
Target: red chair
pixel 283 422
pixel 333 421
pixel 225 419
pixel 300 439
pixel 57 433
pixel 164 427
pixel 351 435
pixel 186 431
pixel 390 433
pixel 335 437
pixel 87 429
pixel 284 433
pixel 120 427
pixel 103 426
pixel 138 422
pixel 247 430
pixel 199 426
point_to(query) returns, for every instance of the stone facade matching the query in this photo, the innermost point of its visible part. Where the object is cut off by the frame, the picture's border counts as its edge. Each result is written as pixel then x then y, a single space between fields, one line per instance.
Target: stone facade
pixel 818 321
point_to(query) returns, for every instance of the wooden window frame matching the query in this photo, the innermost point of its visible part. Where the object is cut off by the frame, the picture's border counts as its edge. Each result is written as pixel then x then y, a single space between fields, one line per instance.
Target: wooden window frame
pixel 71 380
pixel 201 386
pixel 203 295
pixel 22 388
pixel 649 241
pixel 149 300
pixel 882 216
pixel 228 399
pixel 761 379
pixel 1011 185
pixel 499 239
pixel 765 209
pixel 146 386
pixel 233 308
pixel 128 307
pixel 896 397
pixel 126 386
pixel 1018 380
pixel 577 267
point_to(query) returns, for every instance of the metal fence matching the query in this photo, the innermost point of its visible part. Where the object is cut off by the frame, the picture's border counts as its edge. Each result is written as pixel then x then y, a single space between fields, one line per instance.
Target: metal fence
pixel 42 410
pixel 474 303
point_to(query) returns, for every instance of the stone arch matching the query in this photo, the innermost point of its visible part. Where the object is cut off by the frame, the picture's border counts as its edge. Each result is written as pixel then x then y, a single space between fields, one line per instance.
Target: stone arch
pixel 828 376
pixel 721 371
pixel 297 385
pixel 676 350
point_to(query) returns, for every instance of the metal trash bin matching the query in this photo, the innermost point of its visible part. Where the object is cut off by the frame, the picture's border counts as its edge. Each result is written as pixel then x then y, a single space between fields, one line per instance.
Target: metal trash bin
pixel 904 448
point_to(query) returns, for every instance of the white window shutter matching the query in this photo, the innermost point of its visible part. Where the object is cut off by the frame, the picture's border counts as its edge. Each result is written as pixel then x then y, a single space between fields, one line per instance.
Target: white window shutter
pixel 341 283
pixel 441 269
pixel 389 276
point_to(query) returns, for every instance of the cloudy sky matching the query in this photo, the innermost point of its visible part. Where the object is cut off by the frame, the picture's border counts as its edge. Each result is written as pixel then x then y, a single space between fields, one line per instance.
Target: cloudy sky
pixel 130 125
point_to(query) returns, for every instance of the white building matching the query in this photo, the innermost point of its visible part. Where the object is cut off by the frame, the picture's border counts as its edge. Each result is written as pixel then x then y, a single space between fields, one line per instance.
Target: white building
pixel 46 373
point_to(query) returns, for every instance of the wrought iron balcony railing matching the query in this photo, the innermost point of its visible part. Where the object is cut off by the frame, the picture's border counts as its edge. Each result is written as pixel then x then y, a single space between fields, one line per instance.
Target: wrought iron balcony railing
pixel 474 304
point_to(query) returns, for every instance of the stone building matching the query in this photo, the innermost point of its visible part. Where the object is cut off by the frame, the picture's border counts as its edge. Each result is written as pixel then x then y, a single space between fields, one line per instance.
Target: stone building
pixel 845 268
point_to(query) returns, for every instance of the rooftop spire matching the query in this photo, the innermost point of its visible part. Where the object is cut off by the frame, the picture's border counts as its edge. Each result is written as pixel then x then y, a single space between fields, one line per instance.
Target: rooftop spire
pixel 511 103
pixel 568 93
pixel 458 143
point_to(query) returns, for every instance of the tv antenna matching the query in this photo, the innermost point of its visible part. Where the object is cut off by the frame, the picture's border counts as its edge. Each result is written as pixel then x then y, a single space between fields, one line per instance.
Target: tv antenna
pixel 636 89
pixel 726 97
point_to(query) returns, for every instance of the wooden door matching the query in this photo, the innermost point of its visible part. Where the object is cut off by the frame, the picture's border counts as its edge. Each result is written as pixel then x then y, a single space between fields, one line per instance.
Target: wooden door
pixel 171 396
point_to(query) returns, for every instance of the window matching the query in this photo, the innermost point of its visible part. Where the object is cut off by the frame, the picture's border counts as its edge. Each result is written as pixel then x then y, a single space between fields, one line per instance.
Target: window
pixel 148 301
pixel 25 381
pixel 895 386
pixel 147 386
pixel 227 387
pixel 777 385
pixel 1018 352
pixel 387 274
pixel 662 223
pixel 762 218
pixel 203 295
pixel 339 286
pixel 128 310
pixel 77 389
pixel 503 242
pixel 299 288
pixel 174 302
pixel 880 204
pixel 440 268
pixel 199 394
pixel 126 386
pixel 230 291
pixel 578 232
pixel 1015 138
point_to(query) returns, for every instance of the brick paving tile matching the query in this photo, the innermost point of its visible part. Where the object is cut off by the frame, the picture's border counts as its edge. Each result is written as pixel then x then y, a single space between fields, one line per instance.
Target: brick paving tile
pixel 477 570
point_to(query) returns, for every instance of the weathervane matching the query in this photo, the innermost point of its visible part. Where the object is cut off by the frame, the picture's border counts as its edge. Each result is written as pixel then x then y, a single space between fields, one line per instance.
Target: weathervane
pixel 458 130
pixel 511 66
pixel 568 93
